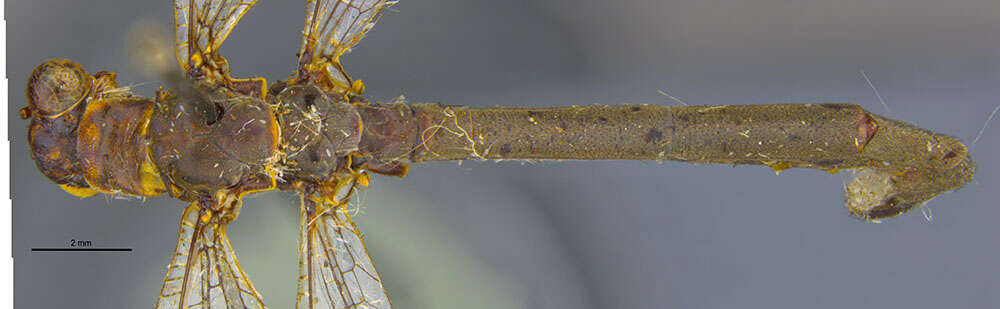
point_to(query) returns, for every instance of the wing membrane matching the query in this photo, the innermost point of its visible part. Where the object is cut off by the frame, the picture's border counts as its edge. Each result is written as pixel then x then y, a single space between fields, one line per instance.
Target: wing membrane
pixel 204 272
pixel 334 268
pixel 200 28
pixel 332 27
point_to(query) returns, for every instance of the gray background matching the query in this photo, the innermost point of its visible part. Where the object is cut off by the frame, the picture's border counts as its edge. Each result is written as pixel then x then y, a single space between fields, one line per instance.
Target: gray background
pixel 571 234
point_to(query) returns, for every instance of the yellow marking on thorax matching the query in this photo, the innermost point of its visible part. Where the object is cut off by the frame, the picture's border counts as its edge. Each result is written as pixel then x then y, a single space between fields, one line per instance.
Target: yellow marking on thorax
pixel 78 191
pixel 362 179
pixel 149 177
pixel 358 87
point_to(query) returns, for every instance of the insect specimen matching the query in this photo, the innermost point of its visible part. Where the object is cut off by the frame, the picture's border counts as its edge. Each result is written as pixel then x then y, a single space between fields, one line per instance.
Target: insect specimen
pixel 213 138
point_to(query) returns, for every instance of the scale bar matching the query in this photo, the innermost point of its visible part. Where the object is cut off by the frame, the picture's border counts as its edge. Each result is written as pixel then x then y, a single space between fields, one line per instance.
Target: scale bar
pixel 81 249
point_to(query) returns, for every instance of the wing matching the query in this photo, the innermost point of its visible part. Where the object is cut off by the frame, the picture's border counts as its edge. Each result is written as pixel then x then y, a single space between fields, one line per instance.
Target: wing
pixel 204 272
pixel 332 27
pixel 200 28
pixel 334 268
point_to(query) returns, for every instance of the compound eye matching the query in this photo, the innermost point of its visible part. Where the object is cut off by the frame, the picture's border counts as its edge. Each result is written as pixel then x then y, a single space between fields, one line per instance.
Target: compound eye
pixel 56 86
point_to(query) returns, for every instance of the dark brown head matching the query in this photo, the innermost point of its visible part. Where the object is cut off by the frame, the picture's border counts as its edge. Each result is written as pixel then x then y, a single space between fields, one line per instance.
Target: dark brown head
pixel 57 93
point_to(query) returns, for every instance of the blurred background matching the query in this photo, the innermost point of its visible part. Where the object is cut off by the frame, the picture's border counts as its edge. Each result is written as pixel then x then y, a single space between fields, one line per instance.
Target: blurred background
pixel 569 234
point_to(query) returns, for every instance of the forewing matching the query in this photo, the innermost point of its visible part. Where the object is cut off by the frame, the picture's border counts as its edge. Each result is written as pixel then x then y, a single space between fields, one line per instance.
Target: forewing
pixel 334 268
pixel 204 272
pixel 332 27
pixel 200 28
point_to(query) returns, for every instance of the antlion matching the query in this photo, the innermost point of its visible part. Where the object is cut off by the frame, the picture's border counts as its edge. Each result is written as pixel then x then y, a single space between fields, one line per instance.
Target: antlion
pixel 214 138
